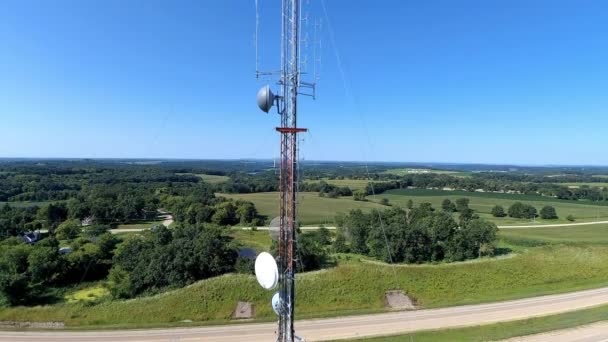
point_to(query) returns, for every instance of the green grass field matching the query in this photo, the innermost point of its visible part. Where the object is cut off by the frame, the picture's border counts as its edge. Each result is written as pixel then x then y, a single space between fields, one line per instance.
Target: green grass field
pixel 258 240
pixel 319 210
pixel 211 179
pixel 592 185
pixel 352 287
pixel 22 204
pixel 353 184
pixel 500 331
pixel 592 234
pixel 313 209
pixel 482 202
pixel 140 225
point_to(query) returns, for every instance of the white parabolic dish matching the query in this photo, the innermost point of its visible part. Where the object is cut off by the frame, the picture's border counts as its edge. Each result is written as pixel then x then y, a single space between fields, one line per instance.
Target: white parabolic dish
pixel 276 303
pixel 266 270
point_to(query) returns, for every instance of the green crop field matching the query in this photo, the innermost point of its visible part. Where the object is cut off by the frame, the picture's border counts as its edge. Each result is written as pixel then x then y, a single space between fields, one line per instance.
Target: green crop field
pixel 313 209
pixel 591 234
pixel 482 202
pixel 354 286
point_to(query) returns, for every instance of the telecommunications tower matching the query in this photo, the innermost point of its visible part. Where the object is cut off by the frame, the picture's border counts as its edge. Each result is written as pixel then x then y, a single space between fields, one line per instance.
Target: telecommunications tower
pixel 290 85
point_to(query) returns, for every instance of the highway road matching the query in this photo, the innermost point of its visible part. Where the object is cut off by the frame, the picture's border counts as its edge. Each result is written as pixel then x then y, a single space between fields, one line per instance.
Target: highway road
pixel 597 332
pixel 342 327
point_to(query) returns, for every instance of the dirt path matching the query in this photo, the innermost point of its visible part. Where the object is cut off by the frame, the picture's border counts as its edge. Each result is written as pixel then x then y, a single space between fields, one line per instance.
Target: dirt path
pixel 342 327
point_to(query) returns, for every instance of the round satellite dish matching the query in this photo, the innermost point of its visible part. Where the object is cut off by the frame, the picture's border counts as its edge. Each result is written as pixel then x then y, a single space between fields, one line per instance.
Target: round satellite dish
pixel 265 98
pixel 276 303
pixel 266 270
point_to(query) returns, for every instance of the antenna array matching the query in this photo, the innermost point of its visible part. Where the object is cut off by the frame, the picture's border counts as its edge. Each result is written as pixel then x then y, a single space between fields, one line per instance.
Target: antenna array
pixel 290 86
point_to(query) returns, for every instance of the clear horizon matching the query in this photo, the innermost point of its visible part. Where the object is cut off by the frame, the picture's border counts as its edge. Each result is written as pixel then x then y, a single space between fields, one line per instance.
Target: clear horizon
pixel 511 83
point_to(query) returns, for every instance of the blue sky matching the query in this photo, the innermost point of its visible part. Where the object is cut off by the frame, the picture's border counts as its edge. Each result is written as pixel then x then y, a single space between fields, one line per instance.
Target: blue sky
pixel 501 81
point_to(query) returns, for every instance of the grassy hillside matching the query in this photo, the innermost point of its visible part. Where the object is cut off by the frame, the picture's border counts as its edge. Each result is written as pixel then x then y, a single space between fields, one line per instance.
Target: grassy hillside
pixel 355 286
pixel 313 209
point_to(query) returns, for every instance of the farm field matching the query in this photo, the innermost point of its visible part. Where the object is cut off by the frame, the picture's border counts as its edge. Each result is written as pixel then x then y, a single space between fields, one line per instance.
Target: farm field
pixel 319 210
pixel 592 234
pixel 354 286
pixel 484 202
pixel 313 209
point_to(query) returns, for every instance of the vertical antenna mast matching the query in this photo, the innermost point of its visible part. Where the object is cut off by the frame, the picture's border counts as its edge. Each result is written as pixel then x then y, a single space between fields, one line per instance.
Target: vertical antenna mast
pixel 287 106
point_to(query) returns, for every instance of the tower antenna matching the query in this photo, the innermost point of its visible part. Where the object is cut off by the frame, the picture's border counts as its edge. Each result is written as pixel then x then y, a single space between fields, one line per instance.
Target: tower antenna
pixel 289 87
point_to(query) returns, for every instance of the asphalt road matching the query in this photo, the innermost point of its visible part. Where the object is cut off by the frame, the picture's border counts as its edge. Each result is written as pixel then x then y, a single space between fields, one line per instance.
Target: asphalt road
pixel 597 332
pixel 342 327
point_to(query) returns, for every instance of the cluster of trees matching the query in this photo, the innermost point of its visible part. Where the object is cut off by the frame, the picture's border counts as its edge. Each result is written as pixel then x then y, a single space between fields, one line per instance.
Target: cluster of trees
pixel 418 235
pixel 165 258
pixel 525 211
pixel 326 190
pixel 27 272
pixel 198 205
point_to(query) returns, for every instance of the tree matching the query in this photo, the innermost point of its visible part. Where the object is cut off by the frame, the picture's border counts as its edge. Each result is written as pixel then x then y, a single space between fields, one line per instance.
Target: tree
pixel 339 245
pixel 462 204
pixel 498 211
pixel 225 214
pixel 246 212
pixel 548 213
pixel 68 230
pixel 409 204
pixel 570 218
pixel 311 253
pixel 359 195
pixel 44 264
pixel 521 210
pixel 384 201
pixel 448 206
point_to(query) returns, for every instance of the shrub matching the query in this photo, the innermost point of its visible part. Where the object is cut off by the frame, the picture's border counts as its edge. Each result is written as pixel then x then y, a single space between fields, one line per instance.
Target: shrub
pixel 498 211
pixel 548 213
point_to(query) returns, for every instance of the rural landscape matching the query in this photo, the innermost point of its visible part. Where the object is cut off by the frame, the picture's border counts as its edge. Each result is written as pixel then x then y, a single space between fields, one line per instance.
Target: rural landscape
pixel 303 170
pixel 115 243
